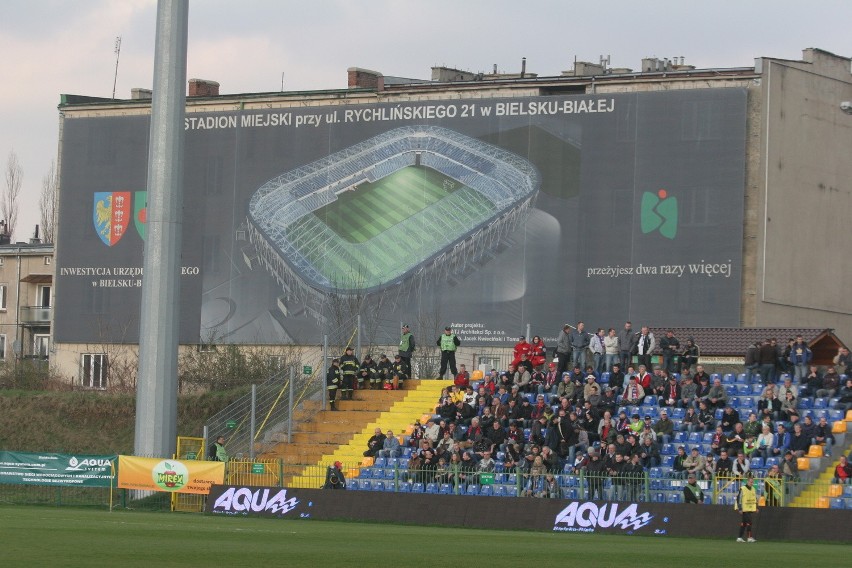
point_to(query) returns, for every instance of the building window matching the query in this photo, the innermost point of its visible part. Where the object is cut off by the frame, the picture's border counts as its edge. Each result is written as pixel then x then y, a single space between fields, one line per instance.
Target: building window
pixel 41 346
pixel 3 289
pixel 43 296
pixel 93 369
pixel 3 346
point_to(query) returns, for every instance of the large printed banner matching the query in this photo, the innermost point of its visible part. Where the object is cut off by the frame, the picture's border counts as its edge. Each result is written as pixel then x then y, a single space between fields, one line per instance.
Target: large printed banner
pixel 174 476
pixel 56 469
pixel 485 214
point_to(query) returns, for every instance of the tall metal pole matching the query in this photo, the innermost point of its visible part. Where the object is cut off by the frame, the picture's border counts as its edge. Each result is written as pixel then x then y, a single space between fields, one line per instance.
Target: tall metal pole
pixel 358 340
pixel 324 370
pixel 252 422
pixel 528 333
pixel 156 392
pixel 290 406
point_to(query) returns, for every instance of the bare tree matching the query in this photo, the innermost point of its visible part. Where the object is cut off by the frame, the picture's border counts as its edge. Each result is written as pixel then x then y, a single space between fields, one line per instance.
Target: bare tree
pixel 14 179
pixel 47 204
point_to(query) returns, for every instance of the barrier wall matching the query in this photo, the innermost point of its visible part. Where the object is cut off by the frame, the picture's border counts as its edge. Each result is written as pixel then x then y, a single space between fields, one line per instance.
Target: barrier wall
pixel 562 515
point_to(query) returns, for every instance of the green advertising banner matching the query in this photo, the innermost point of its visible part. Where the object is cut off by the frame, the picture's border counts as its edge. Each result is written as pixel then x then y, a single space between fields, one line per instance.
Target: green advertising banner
pixel 56 469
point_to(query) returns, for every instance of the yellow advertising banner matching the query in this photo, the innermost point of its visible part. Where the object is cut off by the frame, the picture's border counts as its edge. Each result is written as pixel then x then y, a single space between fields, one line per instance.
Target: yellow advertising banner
pixel 173 476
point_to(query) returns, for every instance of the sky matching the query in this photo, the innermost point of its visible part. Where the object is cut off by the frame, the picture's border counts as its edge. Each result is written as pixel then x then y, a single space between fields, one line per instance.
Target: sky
pixel 51 47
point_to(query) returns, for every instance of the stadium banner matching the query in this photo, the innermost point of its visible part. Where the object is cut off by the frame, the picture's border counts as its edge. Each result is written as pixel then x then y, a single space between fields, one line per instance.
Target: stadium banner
pixel 558 515
pixel 491 213
pixel 173 476
pixel 56 469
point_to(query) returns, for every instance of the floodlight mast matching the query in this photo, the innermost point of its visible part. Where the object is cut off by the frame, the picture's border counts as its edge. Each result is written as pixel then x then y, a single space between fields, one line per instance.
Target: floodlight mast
pixel 156 390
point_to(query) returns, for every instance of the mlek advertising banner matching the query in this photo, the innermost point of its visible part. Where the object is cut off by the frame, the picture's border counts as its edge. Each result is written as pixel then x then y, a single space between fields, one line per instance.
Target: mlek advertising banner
pixel 56 469
pixel 173 476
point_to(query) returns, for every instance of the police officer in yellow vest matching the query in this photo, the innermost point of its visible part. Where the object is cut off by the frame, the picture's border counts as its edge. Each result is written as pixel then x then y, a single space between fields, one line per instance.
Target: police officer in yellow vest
pixel 746 503
pixel 448 342
pixel 406 348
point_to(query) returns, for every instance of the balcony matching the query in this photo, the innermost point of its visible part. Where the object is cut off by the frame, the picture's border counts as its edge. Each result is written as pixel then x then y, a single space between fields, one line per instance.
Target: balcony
pixel 36 315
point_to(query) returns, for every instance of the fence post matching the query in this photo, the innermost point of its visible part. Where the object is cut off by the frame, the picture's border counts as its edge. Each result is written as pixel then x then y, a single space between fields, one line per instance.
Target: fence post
pixel 290 407
pixel 252 421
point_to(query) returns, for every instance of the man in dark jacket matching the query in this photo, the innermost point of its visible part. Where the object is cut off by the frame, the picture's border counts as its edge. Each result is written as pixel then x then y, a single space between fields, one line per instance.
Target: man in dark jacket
pixel 375 443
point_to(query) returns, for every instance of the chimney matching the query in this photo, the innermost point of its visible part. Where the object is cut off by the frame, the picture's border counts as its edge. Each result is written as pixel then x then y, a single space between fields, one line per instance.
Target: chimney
pixel 358 78
pixel 203 88
pixel 523 67
pixel 35 240
pixel 138 94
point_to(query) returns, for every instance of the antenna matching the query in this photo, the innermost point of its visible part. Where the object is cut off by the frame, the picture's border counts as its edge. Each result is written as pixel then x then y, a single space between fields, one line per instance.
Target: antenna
pixel 282 81
pixel 117 53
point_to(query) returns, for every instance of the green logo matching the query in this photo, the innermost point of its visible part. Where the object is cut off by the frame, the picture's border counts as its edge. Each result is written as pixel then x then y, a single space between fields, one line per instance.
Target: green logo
pixel 170 475
pixel 659 212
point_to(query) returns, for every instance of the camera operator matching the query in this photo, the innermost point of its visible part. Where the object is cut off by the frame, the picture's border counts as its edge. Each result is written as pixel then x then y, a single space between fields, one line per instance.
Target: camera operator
pixel 334 478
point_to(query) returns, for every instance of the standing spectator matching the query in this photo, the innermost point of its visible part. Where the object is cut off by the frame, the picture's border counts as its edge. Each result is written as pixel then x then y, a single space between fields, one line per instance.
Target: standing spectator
pixel 790 467
pixel 752 361
pixel 563 349
pixel 610 349
pixel 690 355
pixel 767 359
pixel 645 345
pixel 843 362
pixel 670 347
pixel 773 487
pixel 596 346
pixel 634 476
pixel 594 475
pixel 406 348
pixel 800 357
pixel 448 342
pixel 332 381
pixel 349 366
pixel 538 352
pixel 692 493
pixel 627 340
pixel 579 343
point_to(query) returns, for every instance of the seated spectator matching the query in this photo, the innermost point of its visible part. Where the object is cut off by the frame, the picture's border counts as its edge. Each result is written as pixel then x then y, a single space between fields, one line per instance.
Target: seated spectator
pixel 688 393
pixel 375 443
pixel 719 441
pixel 845 396
pixel 823 435
pixel 634 476
pixel 446 446
pixel 609 400
pixel 391 447
pixel 736 439
pixel 462 380
pixel 830 383
pixel 431 432
pixel 811 383
pixel 690 422
pixel 606 428
pixel 679 464
pixel 534 477
pixel 782 441
pixel 514 456
pixel 724 465
pixel 486 464
pixel 469 396
pixel 799 443
pixel 749 446
pixel 752 427
pixel 486 419
pixel 765 442
pixel 843 471
pixel 769 405
pixel 692 493
pixel 729 418
pixel 694 462
pixel 551 380
pixel 550 488
pixel 649 454
pixel 634 394
pixel 706 419
pixel 663 428
pixel 709 466
pixel 717 396
pixel 622 424
pixel 741 465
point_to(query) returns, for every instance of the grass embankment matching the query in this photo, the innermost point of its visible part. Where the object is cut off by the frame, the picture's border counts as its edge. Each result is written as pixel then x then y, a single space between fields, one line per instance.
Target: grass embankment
pixel 90 422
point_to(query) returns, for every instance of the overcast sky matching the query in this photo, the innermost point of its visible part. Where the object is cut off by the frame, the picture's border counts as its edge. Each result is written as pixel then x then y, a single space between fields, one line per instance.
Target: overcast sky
pixel 51 47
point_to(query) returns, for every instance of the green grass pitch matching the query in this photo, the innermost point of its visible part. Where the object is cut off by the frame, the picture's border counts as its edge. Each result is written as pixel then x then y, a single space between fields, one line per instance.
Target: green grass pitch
pixel 49 536
pixel 360 215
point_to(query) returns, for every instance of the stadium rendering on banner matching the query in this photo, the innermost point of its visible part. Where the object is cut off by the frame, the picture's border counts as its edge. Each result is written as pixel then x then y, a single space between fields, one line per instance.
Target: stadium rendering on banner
pixel 459 195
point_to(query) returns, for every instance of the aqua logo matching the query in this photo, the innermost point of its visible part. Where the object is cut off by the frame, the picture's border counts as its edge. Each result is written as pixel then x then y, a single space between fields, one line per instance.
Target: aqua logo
pixel 659 213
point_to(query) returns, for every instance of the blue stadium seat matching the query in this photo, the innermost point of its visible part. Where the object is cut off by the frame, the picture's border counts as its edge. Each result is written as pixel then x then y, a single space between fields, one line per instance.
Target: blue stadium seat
pixel 499 491
pixel 512 479
pixel 380 462
pixel 847 490
pixel 835 415
pixel 728 379
pixel 498 467
pixel 389 473
pixel 821 413
pixel 668 461
pixel 708 437
pixel 605 377
pixel 747 402
pixel 656 473
pixel 527 433
pixel 446 489
pixel 772 461
pixel 650 400
pixel 757 389
pixel 472 489
pixel 677 413
pixel 679 438
pixel 675 497
pixel 365 473
pixel 718 414
pixel 486 490
pixel 431 488
pixel 668 450
pixel 378 486
pixel 838 503
pixel 743 390
pixel 406 452
pixel 742 378
pixel 392 462
pixel 571 494
pixel 352 485
pixel 715 376
pixel 756 463
pixel 404 488
pixel 694 438
pixel 708 499
pixel 805 403
pixel 731 390
pixel 416 487
pixel 820 403
pixel 656 484
pixel 659 497
pixel 365 485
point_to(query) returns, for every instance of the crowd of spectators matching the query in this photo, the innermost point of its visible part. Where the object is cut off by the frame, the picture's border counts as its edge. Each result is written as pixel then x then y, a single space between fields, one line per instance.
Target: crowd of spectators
pixel 538 420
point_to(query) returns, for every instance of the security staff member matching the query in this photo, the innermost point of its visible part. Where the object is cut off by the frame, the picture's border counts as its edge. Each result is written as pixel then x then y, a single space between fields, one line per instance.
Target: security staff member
pixel 746 503
pixel 332 382
pixel 349 369
pixel 368 374
pixel 406 348
pixel 448 342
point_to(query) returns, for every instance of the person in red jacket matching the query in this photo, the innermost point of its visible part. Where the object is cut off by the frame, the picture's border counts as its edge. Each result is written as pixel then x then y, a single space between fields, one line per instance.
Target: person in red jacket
pixel 522 347
pixel 843 471
pixel 538 352
pixel 462 379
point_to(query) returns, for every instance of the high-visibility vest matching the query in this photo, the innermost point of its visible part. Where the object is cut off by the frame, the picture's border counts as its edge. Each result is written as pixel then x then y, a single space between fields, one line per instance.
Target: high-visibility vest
pixel 405 342
pixel 448 342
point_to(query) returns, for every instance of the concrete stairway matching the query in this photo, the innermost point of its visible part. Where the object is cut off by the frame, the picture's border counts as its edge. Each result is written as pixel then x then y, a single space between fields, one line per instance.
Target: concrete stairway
pixel 819 492
pixel 323 436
